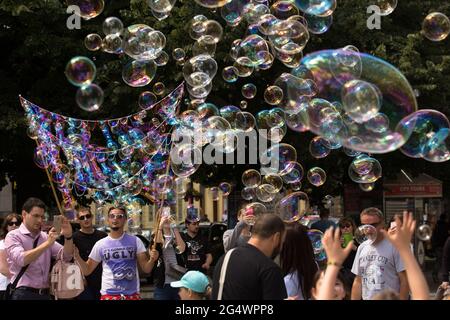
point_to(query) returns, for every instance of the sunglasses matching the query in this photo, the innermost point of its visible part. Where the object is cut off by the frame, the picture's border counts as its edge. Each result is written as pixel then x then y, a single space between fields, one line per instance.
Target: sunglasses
pixel 343 226
pixel 373 224
pixel 116 216
pixel 14 223
pixel 85 217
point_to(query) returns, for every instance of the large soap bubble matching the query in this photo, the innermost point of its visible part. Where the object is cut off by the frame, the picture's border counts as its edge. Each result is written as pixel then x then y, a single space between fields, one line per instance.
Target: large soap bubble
pixel 80 71
pixel 292 207
pixel 322 8
pixel 88 8
pixel 436 26
pixel 212 3
pixel 332 69
pixel 430 135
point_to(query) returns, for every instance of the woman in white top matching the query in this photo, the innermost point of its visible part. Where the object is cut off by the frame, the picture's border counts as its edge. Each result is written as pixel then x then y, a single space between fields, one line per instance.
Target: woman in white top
pixel 12 221
pixel 297 262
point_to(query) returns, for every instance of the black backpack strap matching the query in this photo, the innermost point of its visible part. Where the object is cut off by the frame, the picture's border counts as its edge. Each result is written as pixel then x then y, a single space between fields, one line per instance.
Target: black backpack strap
pixel 24 268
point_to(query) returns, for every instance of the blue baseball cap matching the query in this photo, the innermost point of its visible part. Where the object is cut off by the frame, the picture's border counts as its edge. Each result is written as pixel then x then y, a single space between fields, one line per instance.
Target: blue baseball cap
pixel 194 280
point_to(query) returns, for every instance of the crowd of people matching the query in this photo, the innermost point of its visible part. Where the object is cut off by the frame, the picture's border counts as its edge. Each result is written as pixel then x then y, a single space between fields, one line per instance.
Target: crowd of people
pixel 265 259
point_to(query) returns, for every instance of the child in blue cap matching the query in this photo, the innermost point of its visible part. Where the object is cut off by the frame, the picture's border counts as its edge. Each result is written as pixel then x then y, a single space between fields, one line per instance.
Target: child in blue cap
pixel 194 285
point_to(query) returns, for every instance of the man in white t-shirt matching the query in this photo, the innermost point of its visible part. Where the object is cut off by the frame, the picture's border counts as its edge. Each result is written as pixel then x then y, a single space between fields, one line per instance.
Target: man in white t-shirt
pixel 119 253
pixel 377 265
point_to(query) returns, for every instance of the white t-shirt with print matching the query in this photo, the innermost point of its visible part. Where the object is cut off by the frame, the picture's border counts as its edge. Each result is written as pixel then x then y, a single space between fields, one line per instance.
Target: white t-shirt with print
pixel 378 266
pixel 119 260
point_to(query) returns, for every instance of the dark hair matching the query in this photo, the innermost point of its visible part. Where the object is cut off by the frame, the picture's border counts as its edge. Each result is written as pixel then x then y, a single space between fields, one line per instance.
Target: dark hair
pixel 30 203
pixel 8 219
pixel 118 208
pixel 347 220
pixel 342 277
pixel 82 209
pixel 297 255
pixel 324 212
pixel 267 225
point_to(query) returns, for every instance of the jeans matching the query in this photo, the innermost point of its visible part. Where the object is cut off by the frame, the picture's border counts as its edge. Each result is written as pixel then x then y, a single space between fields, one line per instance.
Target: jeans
pixel 166 293
pixel 22 294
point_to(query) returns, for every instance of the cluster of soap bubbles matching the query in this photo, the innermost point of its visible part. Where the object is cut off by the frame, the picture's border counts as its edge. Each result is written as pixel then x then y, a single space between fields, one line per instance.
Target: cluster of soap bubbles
pixel 133 160
pixel 81 72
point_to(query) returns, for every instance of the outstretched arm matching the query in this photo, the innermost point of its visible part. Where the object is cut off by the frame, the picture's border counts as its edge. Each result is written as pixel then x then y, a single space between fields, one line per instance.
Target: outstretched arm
pixel 401 239
pixel 336 256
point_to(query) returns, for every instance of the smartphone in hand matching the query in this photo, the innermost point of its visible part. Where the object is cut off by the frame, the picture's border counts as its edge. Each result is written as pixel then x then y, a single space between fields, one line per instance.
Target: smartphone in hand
pixel 57 221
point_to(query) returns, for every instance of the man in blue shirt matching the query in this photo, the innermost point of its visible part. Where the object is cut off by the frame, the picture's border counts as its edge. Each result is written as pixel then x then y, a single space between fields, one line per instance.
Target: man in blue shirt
pixel 323 224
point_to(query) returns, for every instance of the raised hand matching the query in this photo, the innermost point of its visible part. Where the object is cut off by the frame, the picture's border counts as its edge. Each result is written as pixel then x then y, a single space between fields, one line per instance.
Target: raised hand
pixel 66 228
pixel 401 236
pixel 332 244
pixel 52 236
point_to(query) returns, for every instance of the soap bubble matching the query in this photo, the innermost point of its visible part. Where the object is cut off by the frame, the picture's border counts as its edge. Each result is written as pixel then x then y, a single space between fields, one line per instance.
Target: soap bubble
pixel 248 193
pixel 273 95
pixel 364 169
pixel 367 187
pixel 316 236
pixel 88 8
pixel 321 8
pixel 424 232
pixel 316 176
pixel 366 232
pixel 93 42
pixel 386 6
pixel 139 73
pixel 251 178
pixel 248 90
pixel 318 149
pixel 147 99
pixel 112 25
pixel 265 192
pixel 436 26
pixel 225 187
pixel 90 97
pixel 80 71
pixel 211 4
pixel 332 69
pixel 292 207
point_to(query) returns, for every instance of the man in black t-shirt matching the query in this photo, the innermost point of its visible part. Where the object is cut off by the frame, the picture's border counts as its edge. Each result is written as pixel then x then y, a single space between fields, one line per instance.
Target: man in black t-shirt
pixel 198 256
pixel 251 273
pixel 84 240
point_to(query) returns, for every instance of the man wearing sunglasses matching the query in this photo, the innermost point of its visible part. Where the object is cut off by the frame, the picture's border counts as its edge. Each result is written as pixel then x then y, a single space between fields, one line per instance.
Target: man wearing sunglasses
pixel 85 239
pixel 119 253
pixel 377 265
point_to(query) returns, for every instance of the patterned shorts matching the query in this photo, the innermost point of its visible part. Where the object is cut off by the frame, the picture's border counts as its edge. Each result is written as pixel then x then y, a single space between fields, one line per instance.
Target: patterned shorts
pixel 135 296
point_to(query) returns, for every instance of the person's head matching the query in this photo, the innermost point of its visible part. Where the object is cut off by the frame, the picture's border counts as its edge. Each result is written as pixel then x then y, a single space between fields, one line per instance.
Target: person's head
pixel 11 222
pixel 194 285
pixel 117 217
pixel 347 225
pixel 324 213
pixel 192 221
pixel 33 214
pixel 375 218
pixel 84 217
pixel 297 255
pixel 269 230
pixel 341 290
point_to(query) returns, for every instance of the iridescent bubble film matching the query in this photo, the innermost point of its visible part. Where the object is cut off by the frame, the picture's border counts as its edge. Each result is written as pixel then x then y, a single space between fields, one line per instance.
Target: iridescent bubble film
pixel 292 207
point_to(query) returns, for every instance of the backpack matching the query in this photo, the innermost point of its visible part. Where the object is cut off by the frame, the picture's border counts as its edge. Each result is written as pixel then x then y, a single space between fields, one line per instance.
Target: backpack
pixel 66 279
